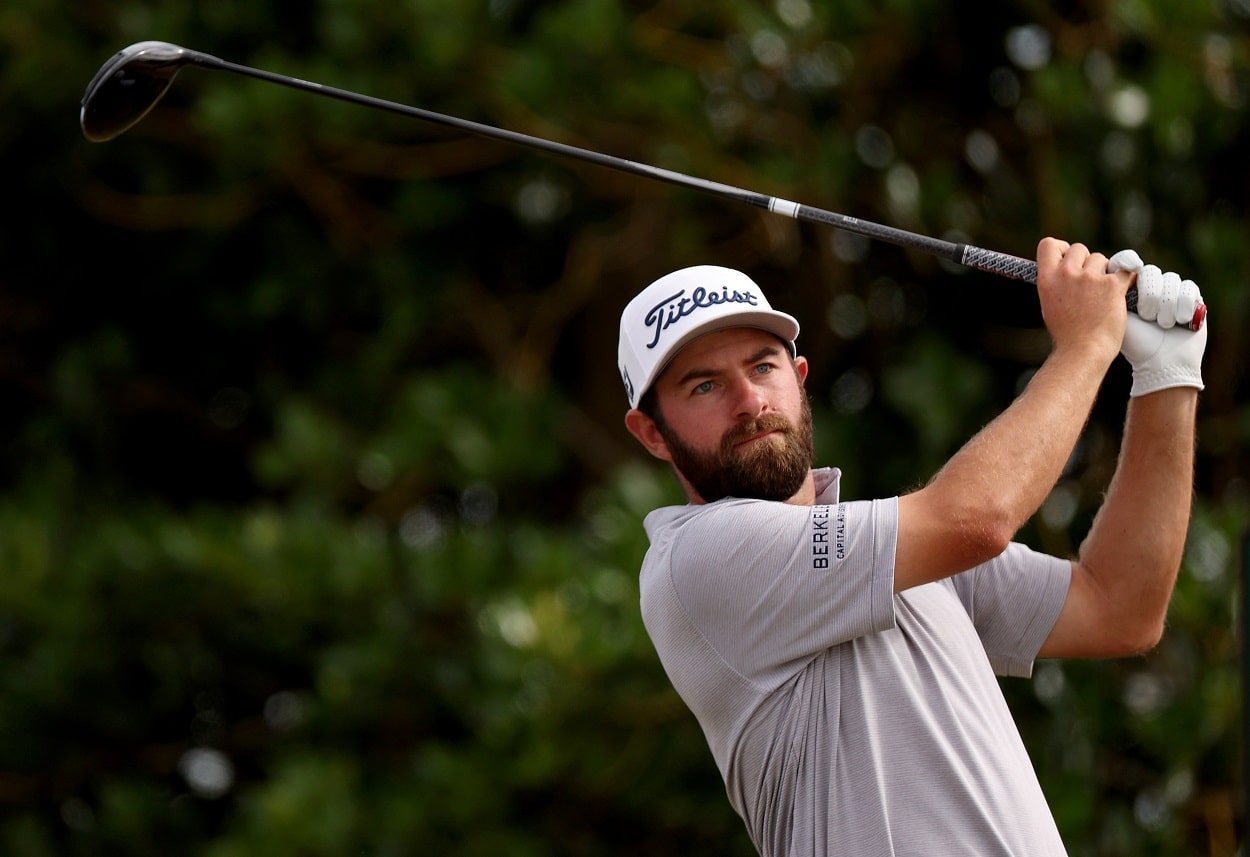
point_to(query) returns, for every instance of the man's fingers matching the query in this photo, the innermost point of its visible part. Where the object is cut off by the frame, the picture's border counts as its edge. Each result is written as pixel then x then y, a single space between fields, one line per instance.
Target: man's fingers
pixel 1096 262
pixel 1163 298
pixel 1125 260
pixel 1188 299
pixel 1166 316
pixel 1149 291
pixel 1075 256
pixel 1050 251
pixel 1124 278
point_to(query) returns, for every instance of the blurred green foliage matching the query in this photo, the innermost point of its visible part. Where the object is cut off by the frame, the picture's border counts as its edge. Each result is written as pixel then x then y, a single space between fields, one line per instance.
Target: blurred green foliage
pixel 319 529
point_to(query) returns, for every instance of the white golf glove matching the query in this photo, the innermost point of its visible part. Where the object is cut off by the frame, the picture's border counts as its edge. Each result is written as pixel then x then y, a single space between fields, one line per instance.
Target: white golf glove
pixel 1162 354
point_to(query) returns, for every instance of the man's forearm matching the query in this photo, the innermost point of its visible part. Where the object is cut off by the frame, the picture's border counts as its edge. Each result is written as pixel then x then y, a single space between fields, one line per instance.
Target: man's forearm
pixel 971 510
pixel 1135 545
pixel 1010 467
pixel 973 507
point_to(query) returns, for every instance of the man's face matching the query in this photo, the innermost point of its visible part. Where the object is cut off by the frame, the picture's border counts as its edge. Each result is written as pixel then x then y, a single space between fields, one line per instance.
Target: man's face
pixel 735 418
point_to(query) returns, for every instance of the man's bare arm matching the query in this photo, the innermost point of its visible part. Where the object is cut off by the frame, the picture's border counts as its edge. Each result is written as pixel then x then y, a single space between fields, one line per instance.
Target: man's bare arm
pixel 1123 581
pixel 969 512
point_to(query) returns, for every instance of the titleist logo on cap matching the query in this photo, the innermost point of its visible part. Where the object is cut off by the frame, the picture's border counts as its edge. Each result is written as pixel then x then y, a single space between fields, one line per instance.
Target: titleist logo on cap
pixel 674 308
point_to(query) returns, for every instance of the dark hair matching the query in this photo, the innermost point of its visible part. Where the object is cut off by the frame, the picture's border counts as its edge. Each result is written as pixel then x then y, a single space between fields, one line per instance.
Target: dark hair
pixel 649 404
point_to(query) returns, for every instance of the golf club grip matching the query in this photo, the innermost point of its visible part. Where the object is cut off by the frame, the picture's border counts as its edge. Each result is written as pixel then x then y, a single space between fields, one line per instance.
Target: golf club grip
pixel 1003 264
pixel 1016 268
pixel 991 261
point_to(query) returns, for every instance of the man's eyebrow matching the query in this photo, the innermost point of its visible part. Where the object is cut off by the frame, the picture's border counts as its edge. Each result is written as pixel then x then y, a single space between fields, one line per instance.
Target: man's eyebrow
pixel 701 372
pixel 766 351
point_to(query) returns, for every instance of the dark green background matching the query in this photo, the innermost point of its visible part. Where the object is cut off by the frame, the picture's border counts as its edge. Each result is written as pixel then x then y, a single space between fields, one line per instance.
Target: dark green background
pixel 319 526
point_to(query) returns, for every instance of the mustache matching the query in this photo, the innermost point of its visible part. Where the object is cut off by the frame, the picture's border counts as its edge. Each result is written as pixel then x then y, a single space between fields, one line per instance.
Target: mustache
pixel 749 429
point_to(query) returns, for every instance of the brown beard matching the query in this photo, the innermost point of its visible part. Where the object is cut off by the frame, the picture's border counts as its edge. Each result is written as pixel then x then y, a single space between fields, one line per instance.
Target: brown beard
pixel 763 471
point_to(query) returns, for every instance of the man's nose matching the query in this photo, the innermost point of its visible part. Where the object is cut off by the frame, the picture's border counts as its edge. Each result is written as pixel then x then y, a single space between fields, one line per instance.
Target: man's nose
pixel 749 399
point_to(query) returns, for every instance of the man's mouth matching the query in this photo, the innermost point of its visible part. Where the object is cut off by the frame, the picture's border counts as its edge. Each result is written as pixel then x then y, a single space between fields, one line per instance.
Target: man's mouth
pixel 760 434
pixel 755 438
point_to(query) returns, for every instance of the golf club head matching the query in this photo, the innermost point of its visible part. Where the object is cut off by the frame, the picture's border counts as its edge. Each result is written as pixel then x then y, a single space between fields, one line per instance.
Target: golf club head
pixel 127 86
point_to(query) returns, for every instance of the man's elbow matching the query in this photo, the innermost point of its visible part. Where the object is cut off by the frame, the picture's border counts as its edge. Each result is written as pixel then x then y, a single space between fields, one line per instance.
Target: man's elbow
pixel 1127 636
pixel 1121 616
pixel 1144 636
pixel 939 538
pixel 986 536
pixel 967 550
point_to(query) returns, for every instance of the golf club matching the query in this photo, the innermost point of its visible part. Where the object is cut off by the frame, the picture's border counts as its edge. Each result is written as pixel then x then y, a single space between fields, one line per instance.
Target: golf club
pixel 133 80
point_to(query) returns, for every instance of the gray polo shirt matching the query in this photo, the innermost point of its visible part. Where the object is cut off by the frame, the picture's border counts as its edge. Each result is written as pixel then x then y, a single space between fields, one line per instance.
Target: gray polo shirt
pixel 845 719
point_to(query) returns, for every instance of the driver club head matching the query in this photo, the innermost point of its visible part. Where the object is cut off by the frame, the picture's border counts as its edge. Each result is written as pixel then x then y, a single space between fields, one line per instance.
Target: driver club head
pixel 128 86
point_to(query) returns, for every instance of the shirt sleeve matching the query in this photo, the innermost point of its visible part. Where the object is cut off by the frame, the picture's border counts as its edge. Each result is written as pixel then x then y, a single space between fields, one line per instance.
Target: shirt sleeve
pixel 771 584
pixel 1014 601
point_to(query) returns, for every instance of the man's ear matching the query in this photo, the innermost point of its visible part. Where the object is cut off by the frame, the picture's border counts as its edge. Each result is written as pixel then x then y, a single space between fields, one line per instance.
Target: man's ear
pixel 644 428
pixel 801 367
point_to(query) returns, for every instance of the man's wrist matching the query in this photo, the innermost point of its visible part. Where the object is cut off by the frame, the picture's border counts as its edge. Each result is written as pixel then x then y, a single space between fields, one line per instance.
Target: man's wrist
pixel 1163 378
pixel 1090 352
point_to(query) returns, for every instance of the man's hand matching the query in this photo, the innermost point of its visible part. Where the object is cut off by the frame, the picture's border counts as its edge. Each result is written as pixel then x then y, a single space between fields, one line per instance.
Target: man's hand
pixel 1162 354
pixel 1082 301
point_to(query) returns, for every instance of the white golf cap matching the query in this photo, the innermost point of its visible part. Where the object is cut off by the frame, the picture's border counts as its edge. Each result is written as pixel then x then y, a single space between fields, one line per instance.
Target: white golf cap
pixel 682 306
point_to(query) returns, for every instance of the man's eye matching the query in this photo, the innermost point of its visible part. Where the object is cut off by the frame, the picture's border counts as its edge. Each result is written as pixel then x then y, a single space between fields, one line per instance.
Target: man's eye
pixel 763 368
pixel 705 387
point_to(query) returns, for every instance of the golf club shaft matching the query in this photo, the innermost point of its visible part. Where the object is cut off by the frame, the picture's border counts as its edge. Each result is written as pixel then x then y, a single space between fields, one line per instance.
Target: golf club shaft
pixel 161 60
pixel 992 261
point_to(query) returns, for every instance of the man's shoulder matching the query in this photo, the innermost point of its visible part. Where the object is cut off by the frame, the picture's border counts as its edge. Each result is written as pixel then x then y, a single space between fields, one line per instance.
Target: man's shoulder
pixel 668 518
